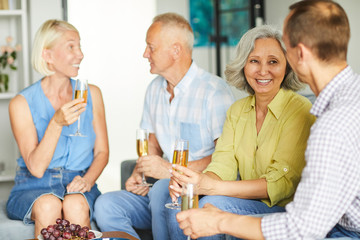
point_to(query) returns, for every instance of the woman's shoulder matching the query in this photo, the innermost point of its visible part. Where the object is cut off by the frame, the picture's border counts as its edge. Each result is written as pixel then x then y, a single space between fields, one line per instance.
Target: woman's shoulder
pixel 243 101
pixel 32 89
pixel 240 105
pixel 95 94
pixel 94 89
pixel 17 102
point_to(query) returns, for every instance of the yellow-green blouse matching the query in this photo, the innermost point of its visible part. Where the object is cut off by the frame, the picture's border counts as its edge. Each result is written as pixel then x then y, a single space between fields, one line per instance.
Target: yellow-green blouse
pixel 276 153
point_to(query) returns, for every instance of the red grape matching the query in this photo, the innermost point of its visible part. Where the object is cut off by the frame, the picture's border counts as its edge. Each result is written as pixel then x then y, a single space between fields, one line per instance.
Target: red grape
pixel 43 231
pixel 58 221
pixel 72 227
pixel 62 229
pixel 50 228
pixel 46 235
pixel 91 235
pixel 82 233
pixel 78 227
pixel 67 235
pixel 56 233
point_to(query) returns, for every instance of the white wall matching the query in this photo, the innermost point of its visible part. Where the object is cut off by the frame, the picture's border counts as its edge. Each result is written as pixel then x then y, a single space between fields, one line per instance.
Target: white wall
pixel 39 12
pixel 113 40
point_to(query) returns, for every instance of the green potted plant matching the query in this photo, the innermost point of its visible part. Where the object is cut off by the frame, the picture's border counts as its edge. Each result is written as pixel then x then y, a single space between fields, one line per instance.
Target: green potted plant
pixel 7 58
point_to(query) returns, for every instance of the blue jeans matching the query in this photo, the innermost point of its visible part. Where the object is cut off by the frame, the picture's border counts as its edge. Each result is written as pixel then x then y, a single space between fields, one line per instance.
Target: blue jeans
pixel 124 211
pixel 28 189
pixel 228 204
pixel 340 232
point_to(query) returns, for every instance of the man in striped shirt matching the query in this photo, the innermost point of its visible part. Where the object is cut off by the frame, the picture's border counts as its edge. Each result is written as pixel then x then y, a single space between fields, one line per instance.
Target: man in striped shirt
pixel 327 200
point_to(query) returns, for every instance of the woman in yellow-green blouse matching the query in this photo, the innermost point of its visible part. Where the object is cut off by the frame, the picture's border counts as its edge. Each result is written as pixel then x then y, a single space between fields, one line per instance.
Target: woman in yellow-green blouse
pixel 264 136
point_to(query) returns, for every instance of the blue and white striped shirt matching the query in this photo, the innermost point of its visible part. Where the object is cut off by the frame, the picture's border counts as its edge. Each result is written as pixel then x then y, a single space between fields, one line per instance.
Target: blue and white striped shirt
pixel 196 113
pixel 329 190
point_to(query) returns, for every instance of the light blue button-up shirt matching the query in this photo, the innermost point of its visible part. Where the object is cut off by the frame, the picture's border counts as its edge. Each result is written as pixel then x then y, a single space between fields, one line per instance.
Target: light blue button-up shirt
pixel 196 113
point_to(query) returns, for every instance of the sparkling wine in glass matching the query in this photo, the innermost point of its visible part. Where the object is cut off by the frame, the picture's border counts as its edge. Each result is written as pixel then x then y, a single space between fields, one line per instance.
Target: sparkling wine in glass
pixel 180 157
pixel 189 198
pixel 142 141
pixel 81 91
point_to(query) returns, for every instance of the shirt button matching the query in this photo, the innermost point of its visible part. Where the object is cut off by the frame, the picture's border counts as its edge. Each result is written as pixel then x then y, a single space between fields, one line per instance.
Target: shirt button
pixel 285 169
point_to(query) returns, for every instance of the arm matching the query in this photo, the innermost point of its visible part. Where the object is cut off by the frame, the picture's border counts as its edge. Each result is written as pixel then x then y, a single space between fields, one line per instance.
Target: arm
pixel 101 146
pixel 328 191
pixel 211 184
pixel 37 156
pixel 210 220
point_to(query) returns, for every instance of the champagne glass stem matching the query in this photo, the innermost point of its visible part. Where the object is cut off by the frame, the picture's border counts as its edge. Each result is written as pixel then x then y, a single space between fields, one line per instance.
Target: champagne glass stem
pixel 143 178
pixel 188 238
pixel 78 130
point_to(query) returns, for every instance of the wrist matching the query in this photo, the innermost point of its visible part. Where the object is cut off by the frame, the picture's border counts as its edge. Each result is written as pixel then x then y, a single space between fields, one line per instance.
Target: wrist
pixel 90 182
pixel 223 222
pixel 167 166
pixel 55 124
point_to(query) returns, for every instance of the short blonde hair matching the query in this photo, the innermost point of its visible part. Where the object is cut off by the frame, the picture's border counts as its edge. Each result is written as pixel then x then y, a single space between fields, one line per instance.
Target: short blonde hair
pixel 45 38
pixel 234 72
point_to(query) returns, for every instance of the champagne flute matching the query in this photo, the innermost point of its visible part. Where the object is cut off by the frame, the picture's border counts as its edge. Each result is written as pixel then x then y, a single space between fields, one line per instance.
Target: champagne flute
pixel 180 157
pixel 142 140
pixel 189 198
pixel 81 91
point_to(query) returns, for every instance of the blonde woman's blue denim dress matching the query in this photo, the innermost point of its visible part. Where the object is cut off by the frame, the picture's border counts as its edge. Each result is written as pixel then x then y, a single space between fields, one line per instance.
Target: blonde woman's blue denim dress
pixel 72 157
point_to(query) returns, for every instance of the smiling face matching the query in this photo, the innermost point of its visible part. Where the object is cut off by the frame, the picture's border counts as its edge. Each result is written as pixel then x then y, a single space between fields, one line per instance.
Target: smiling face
pixel 65 56
pixel 158 49
pixel 265 67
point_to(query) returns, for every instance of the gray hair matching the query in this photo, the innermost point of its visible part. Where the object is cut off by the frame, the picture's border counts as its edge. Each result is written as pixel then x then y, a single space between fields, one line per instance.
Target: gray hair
pixel 235 70
pixel 175 20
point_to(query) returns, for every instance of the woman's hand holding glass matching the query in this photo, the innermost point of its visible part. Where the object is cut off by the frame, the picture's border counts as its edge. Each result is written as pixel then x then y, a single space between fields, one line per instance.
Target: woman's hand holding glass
pixel 180 157
pixel 69 112
pixel 204 183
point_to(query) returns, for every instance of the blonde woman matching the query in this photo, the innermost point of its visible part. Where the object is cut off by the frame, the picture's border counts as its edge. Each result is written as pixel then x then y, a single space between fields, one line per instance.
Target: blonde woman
pixel 57 172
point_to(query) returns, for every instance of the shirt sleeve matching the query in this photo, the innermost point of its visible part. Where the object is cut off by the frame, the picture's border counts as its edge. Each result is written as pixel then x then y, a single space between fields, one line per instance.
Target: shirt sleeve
pixel 223 162
pixel 329 185
pixel 218 104
pixel 146 122
pixel 284 171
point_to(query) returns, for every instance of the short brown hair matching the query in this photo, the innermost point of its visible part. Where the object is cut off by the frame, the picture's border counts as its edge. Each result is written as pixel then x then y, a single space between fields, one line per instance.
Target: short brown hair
pixel 321 25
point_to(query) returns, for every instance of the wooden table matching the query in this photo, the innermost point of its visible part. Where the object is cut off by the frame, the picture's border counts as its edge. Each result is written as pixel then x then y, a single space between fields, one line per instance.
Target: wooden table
pixel 118 234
